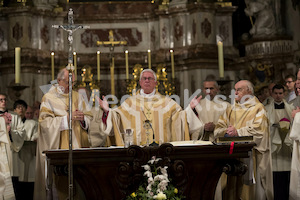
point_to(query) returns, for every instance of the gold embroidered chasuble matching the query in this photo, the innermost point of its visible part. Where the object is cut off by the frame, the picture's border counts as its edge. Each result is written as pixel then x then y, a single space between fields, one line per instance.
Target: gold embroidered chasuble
pixel 168 120
pixel 54 107
pixel 250 119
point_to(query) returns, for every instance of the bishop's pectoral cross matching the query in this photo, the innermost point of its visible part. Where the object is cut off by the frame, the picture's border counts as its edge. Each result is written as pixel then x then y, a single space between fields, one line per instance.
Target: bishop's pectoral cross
pixel 112 43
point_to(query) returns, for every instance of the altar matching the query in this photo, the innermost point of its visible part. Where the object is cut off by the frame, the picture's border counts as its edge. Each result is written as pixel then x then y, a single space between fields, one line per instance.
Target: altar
pixel 113 173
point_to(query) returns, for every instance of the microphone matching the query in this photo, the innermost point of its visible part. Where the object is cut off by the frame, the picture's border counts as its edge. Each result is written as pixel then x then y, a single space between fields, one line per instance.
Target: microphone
pixel 147 121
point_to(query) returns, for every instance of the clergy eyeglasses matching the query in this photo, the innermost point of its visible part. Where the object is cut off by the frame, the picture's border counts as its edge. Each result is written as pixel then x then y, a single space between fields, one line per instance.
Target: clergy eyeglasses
pixel 149 78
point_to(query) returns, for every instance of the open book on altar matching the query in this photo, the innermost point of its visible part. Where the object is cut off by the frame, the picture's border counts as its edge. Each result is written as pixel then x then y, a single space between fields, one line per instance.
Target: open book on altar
pixel 191 143
pixel 228 140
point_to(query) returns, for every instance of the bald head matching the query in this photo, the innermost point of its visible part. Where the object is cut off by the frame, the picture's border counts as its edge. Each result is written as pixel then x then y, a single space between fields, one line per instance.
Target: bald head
pixel 242 88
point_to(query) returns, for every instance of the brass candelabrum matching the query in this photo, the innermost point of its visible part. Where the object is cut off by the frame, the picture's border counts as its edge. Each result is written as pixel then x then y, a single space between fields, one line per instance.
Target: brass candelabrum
pixel 18 88
pixel 92 87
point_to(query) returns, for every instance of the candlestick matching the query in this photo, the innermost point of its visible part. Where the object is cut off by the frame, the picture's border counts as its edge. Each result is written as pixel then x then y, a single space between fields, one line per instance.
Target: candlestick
pixel 149 58
pixel 112 78
pixel 126 61
pixel 221 59
pixel 17 64
pixel 75 65
pixel 172 63
pixel 98 65
pixel 52 65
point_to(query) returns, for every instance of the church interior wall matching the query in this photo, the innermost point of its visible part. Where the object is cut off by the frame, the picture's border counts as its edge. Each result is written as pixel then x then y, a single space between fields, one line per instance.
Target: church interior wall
pixel 188 29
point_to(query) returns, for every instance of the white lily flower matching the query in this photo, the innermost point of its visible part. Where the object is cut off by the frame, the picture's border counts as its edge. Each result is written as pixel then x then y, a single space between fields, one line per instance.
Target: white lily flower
pixel 146 167
pixel 160 196
pixel 148 174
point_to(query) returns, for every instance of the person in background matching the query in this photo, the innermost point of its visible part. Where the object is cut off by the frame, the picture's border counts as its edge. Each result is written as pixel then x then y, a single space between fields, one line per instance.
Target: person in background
pixel 248 117
pixel 27 154
pixel 54 131
pixel 269 98
pixel 12 142
pixel 263 94
pixel 279 114
pixel 29 113
pixel 290 81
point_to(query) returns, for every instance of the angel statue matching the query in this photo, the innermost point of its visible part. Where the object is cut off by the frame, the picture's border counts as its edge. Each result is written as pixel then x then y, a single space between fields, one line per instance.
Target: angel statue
pixel 264 17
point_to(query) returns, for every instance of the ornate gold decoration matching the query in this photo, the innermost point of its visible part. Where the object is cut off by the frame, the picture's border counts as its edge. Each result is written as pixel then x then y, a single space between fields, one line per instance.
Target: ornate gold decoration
pixel 134 84
pixel 164 86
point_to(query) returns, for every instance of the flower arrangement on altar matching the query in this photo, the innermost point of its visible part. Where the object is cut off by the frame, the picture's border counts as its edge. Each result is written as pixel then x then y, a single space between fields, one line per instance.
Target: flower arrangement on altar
pixel 157 185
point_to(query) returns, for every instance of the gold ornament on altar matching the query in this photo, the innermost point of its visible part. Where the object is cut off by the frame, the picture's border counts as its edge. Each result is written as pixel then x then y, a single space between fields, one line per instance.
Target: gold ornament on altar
pixel 164 86
pixel 134 84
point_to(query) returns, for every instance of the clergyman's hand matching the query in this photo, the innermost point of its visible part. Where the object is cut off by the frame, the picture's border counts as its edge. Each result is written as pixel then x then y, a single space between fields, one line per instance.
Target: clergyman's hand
pixel 210 126
pixel 195 101
pixel 231 131
pixel 78 115
pixel 103 103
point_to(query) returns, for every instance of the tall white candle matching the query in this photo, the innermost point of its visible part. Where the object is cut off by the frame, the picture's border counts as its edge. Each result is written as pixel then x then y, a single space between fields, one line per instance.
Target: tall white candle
pixel 127 67
pixel 98 65
pixel 75 64
pixel 17 64
pixel 221 59
pixel 149 58
pixel 172 63
pixel 52 65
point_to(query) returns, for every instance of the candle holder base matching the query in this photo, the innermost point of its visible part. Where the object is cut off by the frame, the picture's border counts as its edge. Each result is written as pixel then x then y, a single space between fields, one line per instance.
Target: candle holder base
pixel 18 88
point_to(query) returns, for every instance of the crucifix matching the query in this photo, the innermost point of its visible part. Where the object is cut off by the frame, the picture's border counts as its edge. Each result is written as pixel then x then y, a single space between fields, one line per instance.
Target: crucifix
pixel 70 28
pixel 112 43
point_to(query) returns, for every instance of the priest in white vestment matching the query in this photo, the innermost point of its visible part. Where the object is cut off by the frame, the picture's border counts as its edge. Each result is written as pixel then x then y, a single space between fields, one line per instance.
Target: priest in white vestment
pixel 11 140
pixel 27 154
pixel 247 117
pixel 279 114
pixel 295 166
pixel 210 109
pixel 152 117
pixel 54 130
pixel 208 112
pixel 6 186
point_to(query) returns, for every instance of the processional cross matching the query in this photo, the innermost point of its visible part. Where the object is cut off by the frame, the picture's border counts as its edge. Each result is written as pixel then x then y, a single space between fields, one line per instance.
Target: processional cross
pixel 112 43
pixel 70 28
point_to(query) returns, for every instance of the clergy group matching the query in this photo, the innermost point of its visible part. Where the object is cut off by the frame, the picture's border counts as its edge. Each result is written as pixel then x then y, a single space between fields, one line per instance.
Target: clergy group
pixel 150 118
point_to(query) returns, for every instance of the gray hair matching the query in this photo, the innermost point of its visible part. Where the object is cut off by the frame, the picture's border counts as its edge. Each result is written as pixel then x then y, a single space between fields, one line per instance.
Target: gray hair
pixel 148 70
pixel 61 74
pixel 250 86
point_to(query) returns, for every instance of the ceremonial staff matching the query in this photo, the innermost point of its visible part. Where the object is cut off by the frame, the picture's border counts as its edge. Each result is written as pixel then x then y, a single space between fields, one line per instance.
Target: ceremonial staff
pixel 70 28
